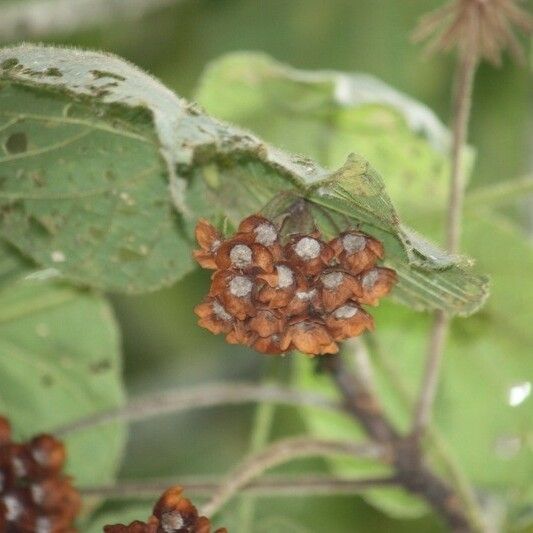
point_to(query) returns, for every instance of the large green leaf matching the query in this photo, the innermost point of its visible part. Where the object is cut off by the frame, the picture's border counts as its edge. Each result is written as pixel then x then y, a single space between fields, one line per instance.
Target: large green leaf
pixel 108 223
pixel 60 360
pixel 326 115
pixel 84 189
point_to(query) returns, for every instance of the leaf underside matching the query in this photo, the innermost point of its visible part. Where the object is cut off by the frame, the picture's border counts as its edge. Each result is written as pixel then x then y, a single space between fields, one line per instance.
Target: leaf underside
pixel 104 172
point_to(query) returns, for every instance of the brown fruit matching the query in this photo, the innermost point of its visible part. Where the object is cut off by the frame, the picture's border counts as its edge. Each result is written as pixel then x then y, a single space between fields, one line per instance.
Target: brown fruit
pixel 305 295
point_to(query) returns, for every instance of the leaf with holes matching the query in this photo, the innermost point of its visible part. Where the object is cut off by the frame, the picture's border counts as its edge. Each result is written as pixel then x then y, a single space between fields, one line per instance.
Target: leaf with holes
pixel 97 152
pixel 60 360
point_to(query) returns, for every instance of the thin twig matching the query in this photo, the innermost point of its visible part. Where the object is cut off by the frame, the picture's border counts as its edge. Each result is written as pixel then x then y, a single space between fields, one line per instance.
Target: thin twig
pixel 466 69
pixel 197 397
pixel 282 452
pixel 36 19
pixel 296 485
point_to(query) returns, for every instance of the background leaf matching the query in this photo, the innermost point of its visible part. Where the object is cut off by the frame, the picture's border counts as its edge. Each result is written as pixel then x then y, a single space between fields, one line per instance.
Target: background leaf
pixel 327 114
pixel 60 356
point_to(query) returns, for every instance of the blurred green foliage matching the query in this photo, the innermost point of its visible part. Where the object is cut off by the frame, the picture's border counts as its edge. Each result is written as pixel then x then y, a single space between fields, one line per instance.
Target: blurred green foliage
pixel 164 348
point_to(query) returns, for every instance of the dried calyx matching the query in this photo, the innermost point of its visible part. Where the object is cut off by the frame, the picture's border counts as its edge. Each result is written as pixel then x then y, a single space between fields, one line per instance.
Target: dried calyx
pixel 172 513
pixel 35 496
pixel 301 293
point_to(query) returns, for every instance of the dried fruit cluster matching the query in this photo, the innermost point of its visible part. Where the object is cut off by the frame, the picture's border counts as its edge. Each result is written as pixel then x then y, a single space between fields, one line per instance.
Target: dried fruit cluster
pixel 303 294
pixel 171 514
pixel 34 494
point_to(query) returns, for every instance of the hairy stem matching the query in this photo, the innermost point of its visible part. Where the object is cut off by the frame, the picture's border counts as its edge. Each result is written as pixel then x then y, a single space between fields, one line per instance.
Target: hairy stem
pixel 466 69
pixel 194 398
pixel 295 486
pixel 282 452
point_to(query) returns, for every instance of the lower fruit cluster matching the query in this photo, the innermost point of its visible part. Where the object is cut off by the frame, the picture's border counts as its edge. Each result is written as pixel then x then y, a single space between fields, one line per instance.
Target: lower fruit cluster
pixel 35 496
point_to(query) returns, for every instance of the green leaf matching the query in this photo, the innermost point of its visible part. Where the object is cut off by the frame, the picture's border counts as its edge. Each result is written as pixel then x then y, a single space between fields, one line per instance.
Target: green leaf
pixel 428 277
pixel 84 189
pixel 108 222
pixel 328 114
pixel 60 356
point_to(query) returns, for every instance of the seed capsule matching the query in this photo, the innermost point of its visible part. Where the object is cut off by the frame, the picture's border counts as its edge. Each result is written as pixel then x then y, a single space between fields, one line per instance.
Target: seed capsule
pixel 172 513
pixel 356 251
pixel 309 254
pixel 376 283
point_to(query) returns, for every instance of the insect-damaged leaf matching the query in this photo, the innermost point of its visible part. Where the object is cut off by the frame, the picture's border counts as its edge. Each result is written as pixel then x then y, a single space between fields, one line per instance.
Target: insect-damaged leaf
pixel 96 153
pixel 327 114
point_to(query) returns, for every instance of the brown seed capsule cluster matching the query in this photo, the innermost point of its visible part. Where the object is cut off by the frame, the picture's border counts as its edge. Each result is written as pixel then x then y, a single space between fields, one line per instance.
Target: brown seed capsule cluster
pixel 171 514
pixel 35 497
pixel 300 294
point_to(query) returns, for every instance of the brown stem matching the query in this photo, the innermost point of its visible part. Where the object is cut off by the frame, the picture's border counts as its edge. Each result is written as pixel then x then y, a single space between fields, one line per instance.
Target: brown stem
pixel 282 452
pixel 410 468
pixel 466 69
pixel 202 396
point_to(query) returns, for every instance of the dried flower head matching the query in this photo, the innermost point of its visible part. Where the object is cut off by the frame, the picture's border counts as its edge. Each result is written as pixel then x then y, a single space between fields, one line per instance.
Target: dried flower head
pixel 304 294
pixel 308 336
pixel 264 232
pixel 281 285
pixel 481 29
pixel 34 493
pixel 172 513
pixel 214 317
pixel 348 321
pixel 235 292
